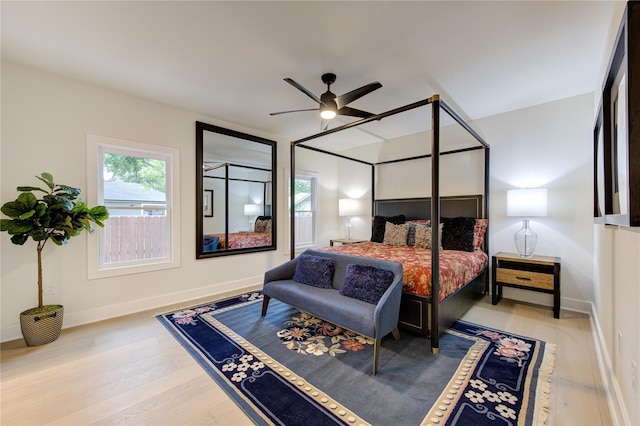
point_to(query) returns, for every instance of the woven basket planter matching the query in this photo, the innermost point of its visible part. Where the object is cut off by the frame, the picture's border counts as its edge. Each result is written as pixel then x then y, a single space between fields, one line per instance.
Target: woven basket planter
pixel 39 329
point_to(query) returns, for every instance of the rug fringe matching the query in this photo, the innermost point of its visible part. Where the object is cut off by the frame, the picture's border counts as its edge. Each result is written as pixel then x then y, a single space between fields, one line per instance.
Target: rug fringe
pixel 543 390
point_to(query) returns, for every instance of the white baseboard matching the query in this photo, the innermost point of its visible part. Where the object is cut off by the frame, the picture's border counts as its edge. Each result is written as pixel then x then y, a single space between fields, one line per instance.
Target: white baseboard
pixel 617 408
pixel 73 319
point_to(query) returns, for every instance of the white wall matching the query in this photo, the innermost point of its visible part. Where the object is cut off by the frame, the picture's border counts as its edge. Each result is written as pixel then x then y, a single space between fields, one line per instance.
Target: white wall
pixel 45 120
pixel 547 146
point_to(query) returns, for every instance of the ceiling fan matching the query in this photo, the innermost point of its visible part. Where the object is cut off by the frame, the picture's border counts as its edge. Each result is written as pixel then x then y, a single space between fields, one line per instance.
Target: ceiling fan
pixel 331 105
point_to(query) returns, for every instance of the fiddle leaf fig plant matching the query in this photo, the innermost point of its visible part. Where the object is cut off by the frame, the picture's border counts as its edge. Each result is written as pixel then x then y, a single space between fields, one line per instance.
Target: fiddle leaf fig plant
pixel 57 215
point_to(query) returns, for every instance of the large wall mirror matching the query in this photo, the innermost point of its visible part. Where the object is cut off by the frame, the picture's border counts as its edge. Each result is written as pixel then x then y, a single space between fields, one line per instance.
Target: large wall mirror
pixel 236 194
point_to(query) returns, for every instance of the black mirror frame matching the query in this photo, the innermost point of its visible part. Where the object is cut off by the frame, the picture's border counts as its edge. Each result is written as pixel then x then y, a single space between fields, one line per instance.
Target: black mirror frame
pixel 200 129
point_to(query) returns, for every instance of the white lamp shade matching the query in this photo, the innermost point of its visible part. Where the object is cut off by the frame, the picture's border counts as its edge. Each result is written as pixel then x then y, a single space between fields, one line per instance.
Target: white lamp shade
pixel 347 207
pixel 527 202
pixel 251 210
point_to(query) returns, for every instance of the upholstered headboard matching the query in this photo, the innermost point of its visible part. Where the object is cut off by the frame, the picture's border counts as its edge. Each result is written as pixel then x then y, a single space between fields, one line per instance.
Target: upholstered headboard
pixel 420 208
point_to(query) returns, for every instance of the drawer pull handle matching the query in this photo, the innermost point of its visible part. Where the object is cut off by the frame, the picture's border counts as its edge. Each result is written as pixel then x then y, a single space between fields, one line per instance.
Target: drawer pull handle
pixel 523 278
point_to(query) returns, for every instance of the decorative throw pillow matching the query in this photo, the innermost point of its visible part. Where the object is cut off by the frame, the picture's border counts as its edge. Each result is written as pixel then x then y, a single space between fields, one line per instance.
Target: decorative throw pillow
pixel 395 234
pixel 210 243
pixel 267 228
pixel 479 232
pixel 314 270
pixel 423 236
pixel 411 235
pixel 366 283
pixel 260 226
pixel 379 222
pixel 458 233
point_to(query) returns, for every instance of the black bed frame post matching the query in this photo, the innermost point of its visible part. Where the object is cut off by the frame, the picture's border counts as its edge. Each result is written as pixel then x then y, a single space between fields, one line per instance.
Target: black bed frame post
pixel 291 195
pixel 435 221
pixel 226 205
pixel 373 191
pixel 487 162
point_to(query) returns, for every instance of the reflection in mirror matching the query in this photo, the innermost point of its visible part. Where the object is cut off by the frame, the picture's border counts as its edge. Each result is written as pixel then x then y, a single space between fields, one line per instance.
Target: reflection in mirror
pixel 236 192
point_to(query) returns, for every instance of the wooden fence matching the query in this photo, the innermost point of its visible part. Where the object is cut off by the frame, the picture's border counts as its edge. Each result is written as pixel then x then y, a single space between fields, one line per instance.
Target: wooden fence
pixel 304 230
pixel 133 238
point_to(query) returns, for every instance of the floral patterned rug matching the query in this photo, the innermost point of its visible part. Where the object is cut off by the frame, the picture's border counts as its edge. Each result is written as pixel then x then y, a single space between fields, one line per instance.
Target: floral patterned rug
pixel 292 368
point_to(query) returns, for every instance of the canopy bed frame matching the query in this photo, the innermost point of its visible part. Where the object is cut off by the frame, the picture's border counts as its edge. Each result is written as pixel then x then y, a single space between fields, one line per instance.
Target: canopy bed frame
pixel 429 316
pixel 266 210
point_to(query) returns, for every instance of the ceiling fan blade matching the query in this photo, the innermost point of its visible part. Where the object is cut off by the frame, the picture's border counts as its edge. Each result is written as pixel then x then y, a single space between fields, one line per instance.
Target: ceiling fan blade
pixel 295 110
pixel 354 112
pixel 351 96
pixel 302 89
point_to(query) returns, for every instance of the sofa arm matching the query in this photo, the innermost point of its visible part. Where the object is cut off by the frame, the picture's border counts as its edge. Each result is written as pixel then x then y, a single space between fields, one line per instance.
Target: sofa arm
pixel 281 272
pixel 387 311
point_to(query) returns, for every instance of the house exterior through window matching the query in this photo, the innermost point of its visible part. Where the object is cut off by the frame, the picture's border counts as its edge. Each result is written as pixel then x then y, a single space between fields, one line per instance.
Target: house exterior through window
pixel 136 183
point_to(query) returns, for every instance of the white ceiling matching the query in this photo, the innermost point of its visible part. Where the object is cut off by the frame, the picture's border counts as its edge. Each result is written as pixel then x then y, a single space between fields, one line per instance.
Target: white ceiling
pixel 227 60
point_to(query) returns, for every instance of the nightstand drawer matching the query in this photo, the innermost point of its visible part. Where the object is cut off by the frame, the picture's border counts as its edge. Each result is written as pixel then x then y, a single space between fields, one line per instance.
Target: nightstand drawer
pixel 525 278
pixel 536 273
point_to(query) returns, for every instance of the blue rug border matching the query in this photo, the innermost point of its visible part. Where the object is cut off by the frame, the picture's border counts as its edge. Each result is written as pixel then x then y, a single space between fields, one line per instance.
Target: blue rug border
pixel 245 406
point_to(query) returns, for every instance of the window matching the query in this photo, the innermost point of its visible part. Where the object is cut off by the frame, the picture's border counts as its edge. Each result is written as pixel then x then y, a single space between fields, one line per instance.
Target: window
pixel 305 210
pixel 136 183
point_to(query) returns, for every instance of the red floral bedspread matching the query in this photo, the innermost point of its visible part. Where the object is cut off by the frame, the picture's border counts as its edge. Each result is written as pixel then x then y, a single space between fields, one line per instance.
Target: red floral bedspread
pixel 456 267
pixel 246 239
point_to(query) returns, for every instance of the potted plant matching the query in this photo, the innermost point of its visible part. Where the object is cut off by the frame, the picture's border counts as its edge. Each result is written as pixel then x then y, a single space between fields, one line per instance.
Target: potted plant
pixel 57 216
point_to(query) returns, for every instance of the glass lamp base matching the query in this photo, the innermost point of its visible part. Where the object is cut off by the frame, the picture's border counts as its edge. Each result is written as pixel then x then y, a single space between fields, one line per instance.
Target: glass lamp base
pixel 348 230
pixel 525 240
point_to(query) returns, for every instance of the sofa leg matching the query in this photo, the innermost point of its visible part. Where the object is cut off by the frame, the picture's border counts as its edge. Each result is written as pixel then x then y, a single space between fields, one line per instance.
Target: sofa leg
pixel 396 333
pixel 376 352
pixel 265 304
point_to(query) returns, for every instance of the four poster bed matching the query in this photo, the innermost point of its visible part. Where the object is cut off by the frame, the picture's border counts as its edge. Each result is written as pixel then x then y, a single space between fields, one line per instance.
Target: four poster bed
pixel 260 236
pixel 440 282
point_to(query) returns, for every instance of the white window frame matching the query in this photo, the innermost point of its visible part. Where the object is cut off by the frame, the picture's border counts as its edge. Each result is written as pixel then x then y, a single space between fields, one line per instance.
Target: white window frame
pixel 313 177
pixel 96 147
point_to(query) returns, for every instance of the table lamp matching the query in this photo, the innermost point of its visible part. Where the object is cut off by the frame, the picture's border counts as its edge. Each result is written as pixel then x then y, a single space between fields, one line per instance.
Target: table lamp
pixel 251 210
pixel 526 203
pixel 348 207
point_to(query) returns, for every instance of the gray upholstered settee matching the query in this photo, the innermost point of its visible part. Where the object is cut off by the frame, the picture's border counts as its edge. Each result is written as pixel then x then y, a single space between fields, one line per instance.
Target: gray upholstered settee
pixel 366 318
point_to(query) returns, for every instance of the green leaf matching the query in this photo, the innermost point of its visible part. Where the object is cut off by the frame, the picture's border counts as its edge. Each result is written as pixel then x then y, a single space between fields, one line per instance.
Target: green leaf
pixel 70 191
pixel 27 201
pixel 80 207
pixel 47 178
pixel 30 188
pixel 39 235
pixel 19 239
pixel 99 213
pixel 13 209
pixel 27 215
pixel 21 205
pixel 41 209
pixel 17 227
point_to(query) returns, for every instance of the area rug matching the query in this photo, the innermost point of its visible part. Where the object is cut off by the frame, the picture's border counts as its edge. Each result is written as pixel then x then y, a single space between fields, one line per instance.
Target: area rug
pixel 290 368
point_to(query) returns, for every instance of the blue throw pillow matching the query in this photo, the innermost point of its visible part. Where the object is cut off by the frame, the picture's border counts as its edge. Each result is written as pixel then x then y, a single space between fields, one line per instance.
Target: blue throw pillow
pixel 366 283
pixel 210 243
pixel 314 270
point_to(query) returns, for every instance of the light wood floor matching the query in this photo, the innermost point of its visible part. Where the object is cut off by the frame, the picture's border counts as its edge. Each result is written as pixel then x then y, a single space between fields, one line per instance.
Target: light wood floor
pixel 130 370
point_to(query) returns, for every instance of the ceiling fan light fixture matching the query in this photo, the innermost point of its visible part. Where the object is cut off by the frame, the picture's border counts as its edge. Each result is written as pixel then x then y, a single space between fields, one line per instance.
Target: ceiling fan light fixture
pixel 327 114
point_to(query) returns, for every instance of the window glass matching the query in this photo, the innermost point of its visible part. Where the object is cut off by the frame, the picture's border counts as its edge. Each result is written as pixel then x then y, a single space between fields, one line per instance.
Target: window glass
pixel 305 210
pixel 134 181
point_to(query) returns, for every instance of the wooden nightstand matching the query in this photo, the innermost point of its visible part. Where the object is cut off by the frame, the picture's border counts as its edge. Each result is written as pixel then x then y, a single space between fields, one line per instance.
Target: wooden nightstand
pixel 344 241
pixel 537 273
